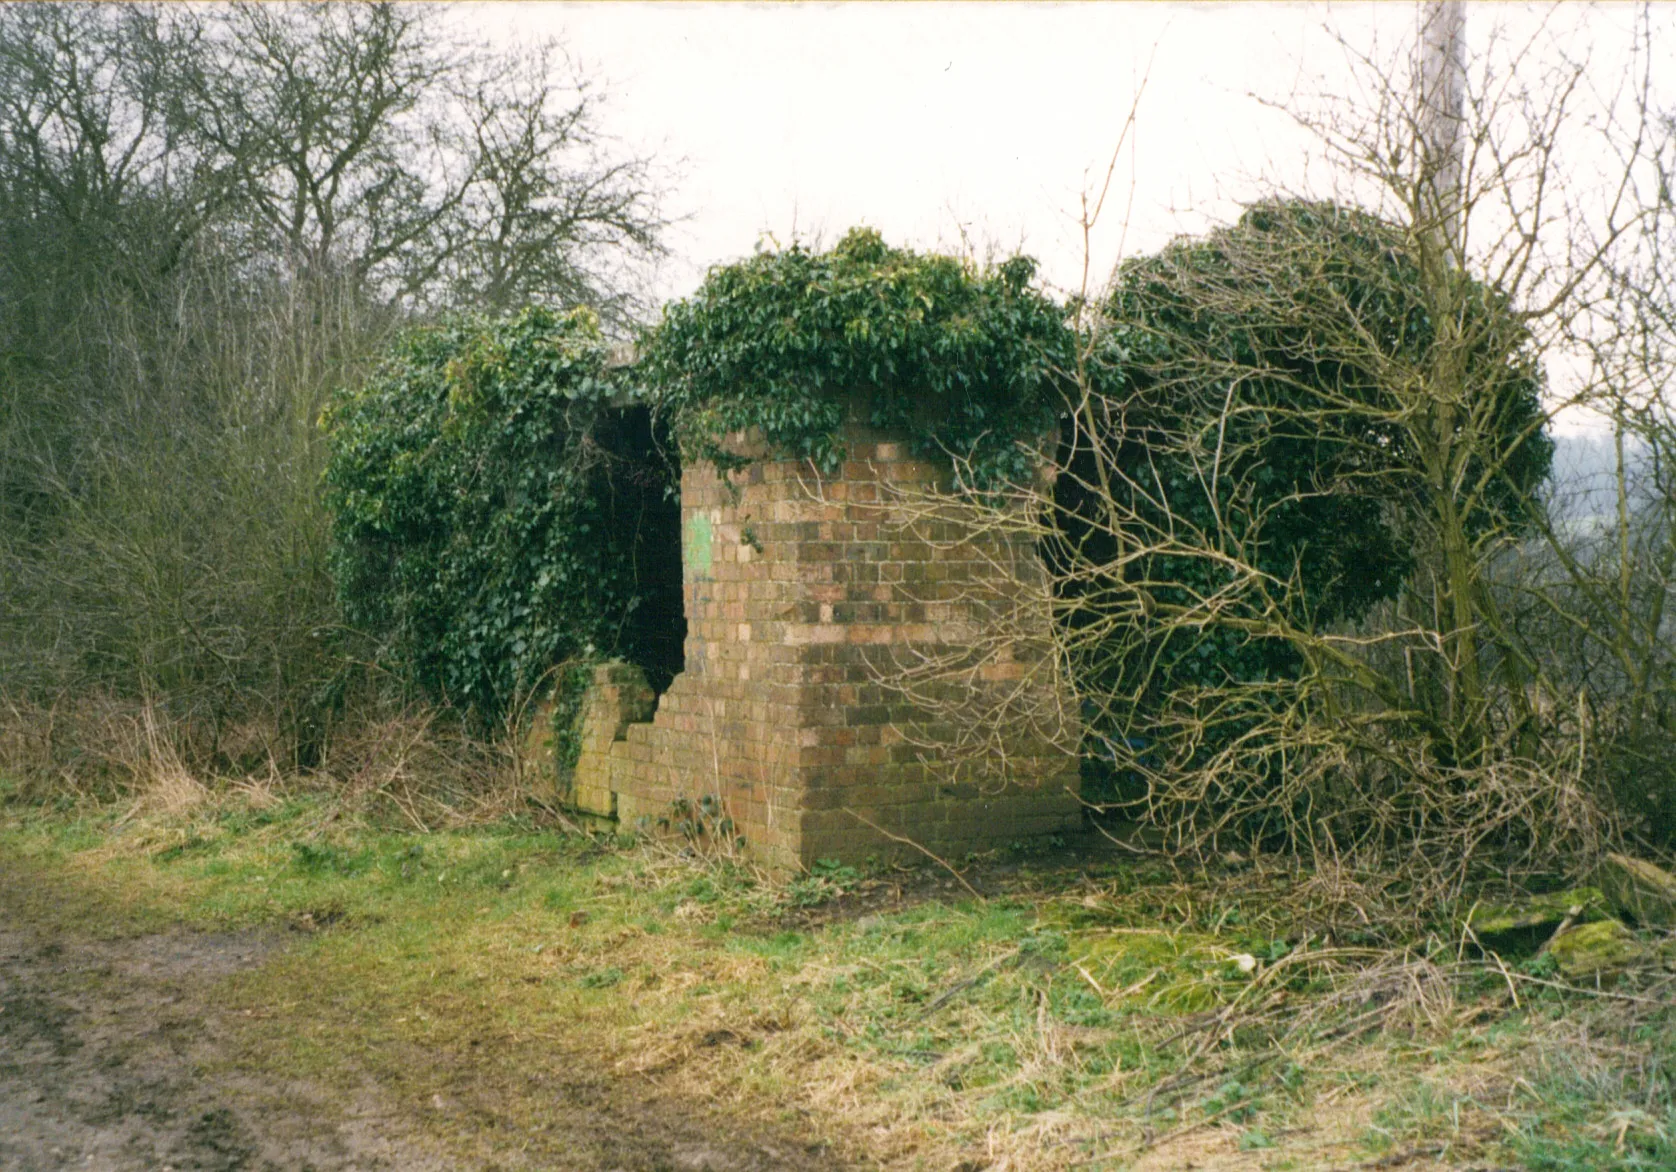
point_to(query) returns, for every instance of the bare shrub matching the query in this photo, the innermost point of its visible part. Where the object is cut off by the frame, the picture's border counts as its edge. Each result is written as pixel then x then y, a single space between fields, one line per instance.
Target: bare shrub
pixel 1306 574
pixel 421 765
pixel 418 766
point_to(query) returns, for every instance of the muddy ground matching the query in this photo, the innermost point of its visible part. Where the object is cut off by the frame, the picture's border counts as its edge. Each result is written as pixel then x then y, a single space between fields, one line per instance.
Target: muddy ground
pixel 104 1044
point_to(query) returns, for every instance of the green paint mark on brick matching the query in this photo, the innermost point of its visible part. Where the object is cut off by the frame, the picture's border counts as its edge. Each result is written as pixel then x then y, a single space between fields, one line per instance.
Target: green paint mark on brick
pixel 696 555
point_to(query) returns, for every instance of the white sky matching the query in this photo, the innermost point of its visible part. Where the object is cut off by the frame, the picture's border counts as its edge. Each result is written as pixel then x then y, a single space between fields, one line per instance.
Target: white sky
pixel 928 120
pixel 924 120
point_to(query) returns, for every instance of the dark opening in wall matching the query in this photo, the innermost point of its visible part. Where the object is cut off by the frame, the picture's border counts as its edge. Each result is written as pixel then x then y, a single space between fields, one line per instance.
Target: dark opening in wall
pixel 644 477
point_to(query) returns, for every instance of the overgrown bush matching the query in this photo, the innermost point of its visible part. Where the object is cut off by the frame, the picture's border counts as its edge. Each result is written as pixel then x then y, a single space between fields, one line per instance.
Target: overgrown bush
pixel 1248 403
pixel 1280 477
pixel 967 362
pixel 493 513
pixel 1299 587
pixel 171 543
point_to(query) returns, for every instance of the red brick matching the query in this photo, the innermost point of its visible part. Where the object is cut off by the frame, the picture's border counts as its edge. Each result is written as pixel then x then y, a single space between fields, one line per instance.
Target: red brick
pixel 787 709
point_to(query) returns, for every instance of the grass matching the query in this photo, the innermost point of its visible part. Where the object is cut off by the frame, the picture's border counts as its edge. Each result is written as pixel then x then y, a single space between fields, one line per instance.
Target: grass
pixel 1102 1014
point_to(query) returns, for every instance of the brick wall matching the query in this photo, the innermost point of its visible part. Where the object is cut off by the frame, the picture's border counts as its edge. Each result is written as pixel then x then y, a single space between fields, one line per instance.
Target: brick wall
pixel 859 664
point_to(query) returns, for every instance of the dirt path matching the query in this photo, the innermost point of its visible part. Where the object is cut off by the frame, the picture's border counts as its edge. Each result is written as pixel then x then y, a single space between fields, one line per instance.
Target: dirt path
pixel 102 1045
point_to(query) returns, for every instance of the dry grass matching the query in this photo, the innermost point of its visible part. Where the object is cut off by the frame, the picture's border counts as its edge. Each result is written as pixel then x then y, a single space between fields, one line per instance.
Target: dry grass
pixel 416 765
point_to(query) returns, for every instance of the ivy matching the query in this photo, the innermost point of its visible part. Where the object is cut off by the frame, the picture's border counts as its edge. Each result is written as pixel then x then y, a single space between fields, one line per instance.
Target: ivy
pixel 570 691
pixel 489 513
pixel 1287 349
pixel 1293 339
pixel 962 360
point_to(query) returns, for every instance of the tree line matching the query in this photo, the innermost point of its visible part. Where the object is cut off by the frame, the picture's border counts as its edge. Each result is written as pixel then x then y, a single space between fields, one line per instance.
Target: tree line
pixel 211 217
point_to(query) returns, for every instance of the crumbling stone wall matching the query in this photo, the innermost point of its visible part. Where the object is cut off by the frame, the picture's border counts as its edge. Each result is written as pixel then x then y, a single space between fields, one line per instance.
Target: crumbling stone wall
pixel 860 671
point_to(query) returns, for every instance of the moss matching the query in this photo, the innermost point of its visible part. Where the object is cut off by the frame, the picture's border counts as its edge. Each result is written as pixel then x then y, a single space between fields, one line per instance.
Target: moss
pixel 1640 890
pixel 1178 972
pixel 1524 926
pixel 1590 949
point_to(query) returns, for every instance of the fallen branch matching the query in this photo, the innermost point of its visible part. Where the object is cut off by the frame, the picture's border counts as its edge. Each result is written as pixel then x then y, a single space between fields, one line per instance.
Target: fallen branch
pixel 1587 992
pixel 957 989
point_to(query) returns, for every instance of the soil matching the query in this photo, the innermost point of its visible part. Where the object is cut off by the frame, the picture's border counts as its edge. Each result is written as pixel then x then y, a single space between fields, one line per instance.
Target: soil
pixel 103 1045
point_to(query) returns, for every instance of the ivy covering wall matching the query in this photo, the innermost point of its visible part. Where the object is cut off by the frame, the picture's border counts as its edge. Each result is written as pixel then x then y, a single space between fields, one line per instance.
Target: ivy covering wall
pixel 498 512
pixel 966 361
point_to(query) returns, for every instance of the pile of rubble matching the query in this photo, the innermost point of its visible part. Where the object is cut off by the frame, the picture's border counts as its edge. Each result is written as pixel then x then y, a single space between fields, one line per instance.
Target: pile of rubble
pixel 1625 918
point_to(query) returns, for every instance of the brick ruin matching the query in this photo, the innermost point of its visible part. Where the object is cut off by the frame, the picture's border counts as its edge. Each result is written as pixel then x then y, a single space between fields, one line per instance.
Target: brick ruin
pixel 864 670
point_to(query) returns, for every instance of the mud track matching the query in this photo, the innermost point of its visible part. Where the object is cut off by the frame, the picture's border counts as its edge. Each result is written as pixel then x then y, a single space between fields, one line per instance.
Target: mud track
pixel 104 1046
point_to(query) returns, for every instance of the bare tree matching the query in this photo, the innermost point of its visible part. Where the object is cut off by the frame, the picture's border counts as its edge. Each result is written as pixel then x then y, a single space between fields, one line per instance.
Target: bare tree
pixel 1304 481
pixel 98 160
pixel 209 217
pixel 429 169
pixel 328 109
pixel 549 214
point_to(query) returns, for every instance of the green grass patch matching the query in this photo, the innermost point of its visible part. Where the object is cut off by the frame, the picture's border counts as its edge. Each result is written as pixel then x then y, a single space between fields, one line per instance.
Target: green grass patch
pixel 1083 1013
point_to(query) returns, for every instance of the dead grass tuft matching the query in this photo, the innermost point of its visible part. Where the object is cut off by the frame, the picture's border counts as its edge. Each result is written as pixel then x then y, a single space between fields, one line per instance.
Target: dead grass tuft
pixel 418 766
pixel 161 780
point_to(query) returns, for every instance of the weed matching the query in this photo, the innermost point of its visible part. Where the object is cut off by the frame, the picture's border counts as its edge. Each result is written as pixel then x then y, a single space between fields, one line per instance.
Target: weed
pixel 1600 1103
pixel 703 820
pixel 827 879
pixel 193 844
pixel 410 860
pixel 1232 1101
pixel 1630 1140
pixel 324 858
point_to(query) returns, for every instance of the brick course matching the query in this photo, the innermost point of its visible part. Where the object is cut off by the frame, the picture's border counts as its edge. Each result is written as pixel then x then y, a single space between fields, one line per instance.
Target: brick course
pixel 857 666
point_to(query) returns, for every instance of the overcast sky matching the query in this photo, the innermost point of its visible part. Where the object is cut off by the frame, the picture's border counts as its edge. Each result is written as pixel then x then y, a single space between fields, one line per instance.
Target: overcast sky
pixel 931 120
pixel 925 120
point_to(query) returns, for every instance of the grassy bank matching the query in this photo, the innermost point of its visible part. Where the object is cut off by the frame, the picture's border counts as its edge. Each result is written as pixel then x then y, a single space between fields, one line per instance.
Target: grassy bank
pixel 1087 1009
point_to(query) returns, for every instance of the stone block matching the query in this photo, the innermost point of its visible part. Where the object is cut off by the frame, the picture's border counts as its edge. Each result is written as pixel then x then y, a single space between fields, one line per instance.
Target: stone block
pixel 1591 950
pixel 1638 889
pixel 599 799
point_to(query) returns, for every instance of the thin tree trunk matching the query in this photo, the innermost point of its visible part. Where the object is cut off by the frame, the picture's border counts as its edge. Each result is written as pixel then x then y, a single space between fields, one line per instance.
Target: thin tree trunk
pixel 1439 118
